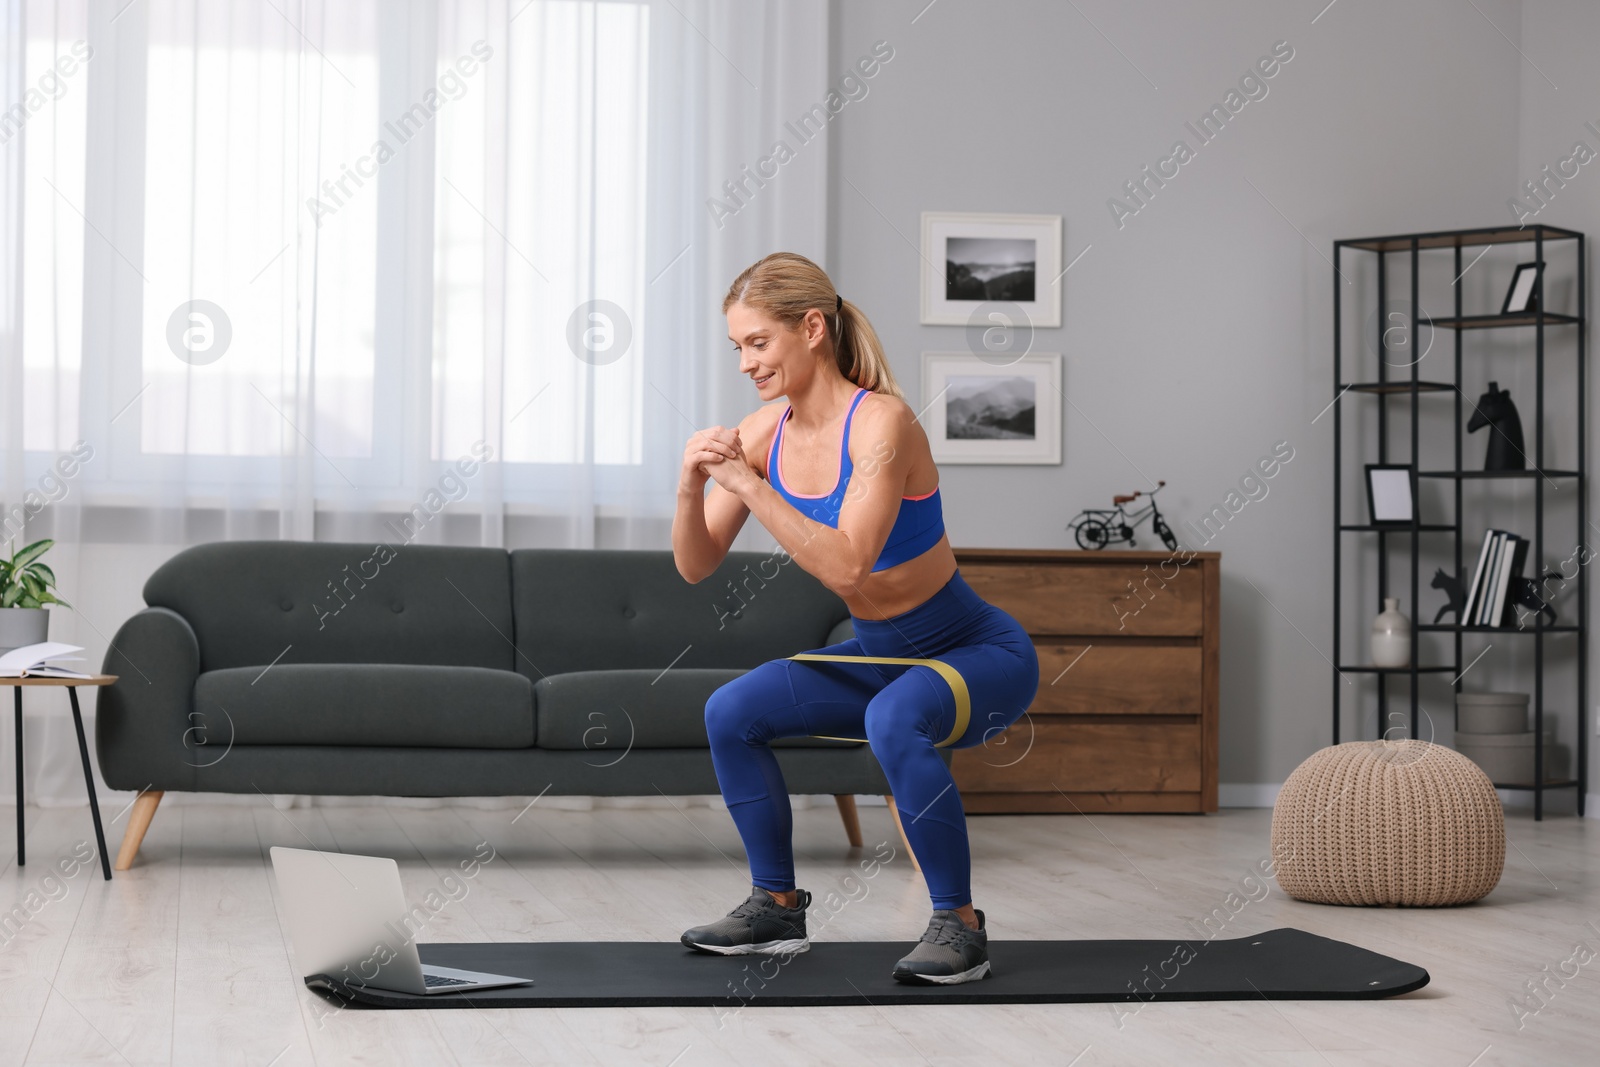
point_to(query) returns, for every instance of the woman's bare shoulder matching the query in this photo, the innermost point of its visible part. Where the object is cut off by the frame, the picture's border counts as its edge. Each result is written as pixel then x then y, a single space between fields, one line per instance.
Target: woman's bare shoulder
pixel 890 425
pixel 887 406
pixel 888 416
pixel 756 430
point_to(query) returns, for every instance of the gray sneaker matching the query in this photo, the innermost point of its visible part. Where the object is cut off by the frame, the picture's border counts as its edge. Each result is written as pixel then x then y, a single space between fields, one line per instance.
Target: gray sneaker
pixel 759 925
pixel 949 952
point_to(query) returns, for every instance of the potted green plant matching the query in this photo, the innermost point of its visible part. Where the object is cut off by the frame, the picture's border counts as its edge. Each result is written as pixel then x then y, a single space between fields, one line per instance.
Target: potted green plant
pixel 25 589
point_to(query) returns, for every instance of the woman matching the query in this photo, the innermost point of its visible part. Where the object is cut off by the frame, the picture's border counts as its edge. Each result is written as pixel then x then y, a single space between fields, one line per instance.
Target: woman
pixel 843 478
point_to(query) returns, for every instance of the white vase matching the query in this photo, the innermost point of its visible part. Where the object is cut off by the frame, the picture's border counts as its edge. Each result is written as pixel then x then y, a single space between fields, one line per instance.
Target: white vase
pixel 1391 636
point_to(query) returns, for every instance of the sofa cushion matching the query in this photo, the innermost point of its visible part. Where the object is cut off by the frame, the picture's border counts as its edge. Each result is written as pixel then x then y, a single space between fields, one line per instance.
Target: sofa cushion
pixel 620 710
pixel 593 609
pixel 364 704
pixel 251 603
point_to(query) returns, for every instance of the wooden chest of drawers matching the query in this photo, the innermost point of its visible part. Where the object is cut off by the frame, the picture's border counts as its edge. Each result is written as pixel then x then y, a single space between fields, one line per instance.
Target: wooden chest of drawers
pixel 1125 719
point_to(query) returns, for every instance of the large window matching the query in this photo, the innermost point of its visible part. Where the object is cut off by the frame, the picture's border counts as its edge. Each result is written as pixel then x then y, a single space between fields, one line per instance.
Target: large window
pixel 51 117
pixel 548 195
pixel 253 146
pixel 350 238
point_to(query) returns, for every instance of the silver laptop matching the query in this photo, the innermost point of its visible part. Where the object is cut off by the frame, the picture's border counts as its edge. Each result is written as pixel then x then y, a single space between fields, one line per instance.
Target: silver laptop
pixel 348 919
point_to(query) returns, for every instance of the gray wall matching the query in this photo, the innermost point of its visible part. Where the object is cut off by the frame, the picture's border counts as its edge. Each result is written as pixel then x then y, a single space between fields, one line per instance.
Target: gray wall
pixel 1199 332
pixel 1559 92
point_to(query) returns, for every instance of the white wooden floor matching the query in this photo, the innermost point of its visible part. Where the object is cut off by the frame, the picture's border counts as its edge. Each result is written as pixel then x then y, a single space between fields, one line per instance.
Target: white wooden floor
pixel 183 960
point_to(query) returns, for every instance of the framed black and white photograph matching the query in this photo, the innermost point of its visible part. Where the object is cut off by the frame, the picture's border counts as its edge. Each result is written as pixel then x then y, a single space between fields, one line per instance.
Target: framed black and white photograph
pixel 1391 494
pixel 973 259
pixel 1522 295
pixel 976 412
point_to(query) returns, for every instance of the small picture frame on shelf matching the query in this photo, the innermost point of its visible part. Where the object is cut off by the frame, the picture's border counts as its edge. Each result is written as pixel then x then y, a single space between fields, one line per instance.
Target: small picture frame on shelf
pixel 1522 295
pixel 1391 494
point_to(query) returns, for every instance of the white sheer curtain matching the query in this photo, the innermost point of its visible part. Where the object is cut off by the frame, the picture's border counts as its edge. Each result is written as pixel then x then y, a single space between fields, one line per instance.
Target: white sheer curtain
pixel 278 266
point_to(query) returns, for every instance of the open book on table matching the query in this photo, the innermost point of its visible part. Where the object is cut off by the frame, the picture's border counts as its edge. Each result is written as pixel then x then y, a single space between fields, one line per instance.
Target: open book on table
pixel 41 661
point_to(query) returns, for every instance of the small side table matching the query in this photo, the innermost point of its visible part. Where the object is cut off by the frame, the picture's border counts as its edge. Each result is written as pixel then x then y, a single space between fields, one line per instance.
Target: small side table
pixel 83 751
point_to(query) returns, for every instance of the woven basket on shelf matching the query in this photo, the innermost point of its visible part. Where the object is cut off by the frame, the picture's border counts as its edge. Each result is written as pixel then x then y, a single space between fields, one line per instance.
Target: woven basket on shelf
pixel 1388 822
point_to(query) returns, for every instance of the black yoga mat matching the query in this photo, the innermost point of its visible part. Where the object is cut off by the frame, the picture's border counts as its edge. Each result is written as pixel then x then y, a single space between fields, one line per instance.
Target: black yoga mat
pixel 1282 964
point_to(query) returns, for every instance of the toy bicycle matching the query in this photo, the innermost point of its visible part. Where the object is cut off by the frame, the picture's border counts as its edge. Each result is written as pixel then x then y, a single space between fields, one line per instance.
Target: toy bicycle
pixel 1099 527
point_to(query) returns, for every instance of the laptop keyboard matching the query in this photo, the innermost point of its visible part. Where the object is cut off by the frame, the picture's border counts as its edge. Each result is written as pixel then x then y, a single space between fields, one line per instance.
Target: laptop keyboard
pixel 438 981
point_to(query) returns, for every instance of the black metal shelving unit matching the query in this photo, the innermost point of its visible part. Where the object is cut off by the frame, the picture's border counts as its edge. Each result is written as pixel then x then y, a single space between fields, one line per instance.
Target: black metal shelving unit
pixel 1385 388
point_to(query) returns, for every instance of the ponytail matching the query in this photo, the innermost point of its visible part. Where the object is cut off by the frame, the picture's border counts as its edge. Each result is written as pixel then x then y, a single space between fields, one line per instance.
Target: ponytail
pixel 786 285
pixel 859 353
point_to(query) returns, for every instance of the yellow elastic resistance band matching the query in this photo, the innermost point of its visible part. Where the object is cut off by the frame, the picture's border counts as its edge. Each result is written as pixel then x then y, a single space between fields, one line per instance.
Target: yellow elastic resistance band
pixel 958 686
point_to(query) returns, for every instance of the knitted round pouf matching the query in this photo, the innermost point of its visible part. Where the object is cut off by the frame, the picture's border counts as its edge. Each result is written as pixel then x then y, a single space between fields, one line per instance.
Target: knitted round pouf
pixel 1388 822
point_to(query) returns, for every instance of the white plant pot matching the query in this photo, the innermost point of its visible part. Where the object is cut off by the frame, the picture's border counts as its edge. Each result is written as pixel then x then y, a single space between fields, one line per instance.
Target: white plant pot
pixel 23 626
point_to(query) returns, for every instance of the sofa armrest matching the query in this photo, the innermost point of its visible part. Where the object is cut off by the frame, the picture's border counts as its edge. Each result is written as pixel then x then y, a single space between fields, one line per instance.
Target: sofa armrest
pixel 144 721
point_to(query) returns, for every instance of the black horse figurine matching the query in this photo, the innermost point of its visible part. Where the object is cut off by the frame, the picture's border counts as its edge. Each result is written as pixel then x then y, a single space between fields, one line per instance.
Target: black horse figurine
pixel 1496 411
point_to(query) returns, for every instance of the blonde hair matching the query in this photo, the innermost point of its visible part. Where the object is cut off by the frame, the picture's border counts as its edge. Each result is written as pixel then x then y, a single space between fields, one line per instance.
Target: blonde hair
pixel 786 285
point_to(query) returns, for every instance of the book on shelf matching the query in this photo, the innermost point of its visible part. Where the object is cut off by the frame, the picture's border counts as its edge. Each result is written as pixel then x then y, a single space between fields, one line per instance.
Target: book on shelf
pixel 1492 578
pixel 1516 552
pixel 1500 561
pixel 1468 610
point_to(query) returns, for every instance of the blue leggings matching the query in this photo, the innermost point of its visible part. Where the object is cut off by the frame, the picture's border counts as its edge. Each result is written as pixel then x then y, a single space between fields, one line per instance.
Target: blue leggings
pixel 986 675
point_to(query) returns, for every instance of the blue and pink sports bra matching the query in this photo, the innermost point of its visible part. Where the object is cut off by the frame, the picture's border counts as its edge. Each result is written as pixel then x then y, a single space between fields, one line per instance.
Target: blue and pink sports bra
pixel 917 526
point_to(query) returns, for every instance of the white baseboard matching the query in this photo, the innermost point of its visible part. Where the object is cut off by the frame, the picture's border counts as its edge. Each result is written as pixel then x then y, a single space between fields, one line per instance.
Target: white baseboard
pixel 1229 795
pixel 1247 794
pixel 113 801
pixel 1560 802
pixel 1265 794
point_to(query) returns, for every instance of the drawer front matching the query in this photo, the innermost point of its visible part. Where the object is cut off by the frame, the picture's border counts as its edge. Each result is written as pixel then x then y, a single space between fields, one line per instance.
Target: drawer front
pixel 1085 678
pixel 1040 754
pixel 1156 599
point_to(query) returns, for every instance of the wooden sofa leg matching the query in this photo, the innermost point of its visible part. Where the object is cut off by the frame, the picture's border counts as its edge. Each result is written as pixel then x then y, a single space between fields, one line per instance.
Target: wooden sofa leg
pixel 915 866
pixel 144 809
pixel 847 812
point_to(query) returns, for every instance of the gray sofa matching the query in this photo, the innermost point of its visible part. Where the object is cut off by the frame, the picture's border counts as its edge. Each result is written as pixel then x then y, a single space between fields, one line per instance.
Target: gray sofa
pixel 424 671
